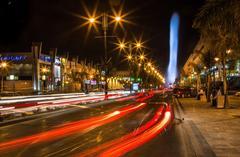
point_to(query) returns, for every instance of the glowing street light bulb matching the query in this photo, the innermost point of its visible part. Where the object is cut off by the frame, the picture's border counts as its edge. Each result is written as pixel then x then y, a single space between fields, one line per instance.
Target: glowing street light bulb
pixel 229 51
pixel 44 70
pixel 4 64
pixel 149 64
pixel 139 45
pixel 129 57
pixel 216 59
pixel 91 20
pixel 142 57
pixel 118 18
pixel 122 46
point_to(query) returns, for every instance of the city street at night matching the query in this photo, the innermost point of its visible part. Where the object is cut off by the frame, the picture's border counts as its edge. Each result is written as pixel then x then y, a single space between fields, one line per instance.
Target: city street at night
pixel 94 78
pixel 123 127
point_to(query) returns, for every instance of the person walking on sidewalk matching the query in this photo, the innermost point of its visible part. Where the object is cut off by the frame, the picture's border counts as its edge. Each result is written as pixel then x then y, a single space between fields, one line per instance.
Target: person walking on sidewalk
pixel 215 95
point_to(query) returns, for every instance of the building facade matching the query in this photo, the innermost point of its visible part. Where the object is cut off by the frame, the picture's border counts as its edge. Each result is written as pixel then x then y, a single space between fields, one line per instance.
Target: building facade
pixel 39 71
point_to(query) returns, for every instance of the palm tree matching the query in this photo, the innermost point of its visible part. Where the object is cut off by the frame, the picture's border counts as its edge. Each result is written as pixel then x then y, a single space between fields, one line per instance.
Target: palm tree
pixel 207 60
pixel 218 26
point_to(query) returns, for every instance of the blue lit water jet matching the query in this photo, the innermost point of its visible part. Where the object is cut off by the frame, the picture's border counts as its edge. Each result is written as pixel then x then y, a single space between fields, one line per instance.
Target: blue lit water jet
pixel 172 66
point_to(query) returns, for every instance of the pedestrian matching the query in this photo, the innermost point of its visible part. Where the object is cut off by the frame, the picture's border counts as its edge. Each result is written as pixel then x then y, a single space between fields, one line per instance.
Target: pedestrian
pixel 217 93
pixel 214 97
pixel 200 93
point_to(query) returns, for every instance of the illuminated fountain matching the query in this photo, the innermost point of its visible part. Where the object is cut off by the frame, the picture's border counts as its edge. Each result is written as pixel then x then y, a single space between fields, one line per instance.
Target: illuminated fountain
pixel 172 66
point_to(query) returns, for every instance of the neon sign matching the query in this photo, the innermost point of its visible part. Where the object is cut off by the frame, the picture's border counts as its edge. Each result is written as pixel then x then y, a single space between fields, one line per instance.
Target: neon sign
pixel 13 58
pixel 45 58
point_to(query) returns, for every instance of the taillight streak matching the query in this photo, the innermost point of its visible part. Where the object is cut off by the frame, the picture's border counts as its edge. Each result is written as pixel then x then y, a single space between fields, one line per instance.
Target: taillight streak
pixel 136 132
pixel 71 128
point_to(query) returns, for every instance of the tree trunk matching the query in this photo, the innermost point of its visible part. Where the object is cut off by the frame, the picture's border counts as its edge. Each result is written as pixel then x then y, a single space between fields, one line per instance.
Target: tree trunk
pixel 198 82
pixel 208 87
pixel 224 80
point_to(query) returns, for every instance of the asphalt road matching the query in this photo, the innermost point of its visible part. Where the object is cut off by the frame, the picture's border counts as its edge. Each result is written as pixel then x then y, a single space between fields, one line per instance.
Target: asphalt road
pixel 175 140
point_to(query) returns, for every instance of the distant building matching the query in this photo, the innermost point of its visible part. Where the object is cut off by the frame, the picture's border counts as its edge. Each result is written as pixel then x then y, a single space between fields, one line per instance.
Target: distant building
pixel 188 75
pixel 41 71
pixel 38 70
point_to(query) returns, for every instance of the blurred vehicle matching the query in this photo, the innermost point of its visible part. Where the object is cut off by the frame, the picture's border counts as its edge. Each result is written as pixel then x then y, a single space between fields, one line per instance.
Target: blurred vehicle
pixel 237 94
pixel 179 92
pixel 184 92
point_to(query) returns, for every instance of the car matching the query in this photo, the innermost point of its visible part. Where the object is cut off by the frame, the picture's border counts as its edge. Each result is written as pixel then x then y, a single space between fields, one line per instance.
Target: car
pixel 179 92
pixel 237 94
pixel 184 92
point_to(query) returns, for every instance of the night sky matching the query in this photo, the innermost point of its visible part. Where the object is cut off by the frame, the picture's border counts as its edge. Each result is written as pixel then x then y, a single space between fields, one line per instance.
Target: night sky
pixel 53 23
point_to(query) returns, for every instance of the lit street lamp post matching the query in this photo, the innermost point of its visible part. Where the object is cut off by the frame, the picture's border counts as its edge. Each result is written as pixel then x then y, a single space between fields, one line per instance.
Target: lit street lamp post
pixel 133 60
pixel 105 23
pixel 137 61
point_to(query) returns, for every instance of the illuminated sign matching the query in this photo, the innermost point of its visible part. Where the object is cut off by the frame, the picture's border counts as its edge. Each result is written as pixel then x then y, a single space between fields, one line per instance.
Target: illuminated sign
pixel 87 81
pixel 13 58
pixel 93 82
pixel 135 86
pixel 12 77
pixel 57 61
pixel 45 58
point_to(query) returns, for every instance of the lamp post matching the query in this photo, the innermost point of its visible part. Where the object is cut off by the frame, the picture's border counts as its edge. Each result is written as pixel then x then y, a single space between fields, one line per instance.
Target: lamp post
pixel 3 67
pixel 105 24
pixel 134 59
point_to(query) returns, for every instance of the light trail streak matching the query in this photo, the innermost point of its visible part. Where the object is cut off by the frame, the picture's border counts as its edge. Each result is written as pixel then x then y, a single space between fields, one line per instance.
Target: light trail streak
pixel 132 143
pixel 70 128
pixel 130 97
pixel 138 131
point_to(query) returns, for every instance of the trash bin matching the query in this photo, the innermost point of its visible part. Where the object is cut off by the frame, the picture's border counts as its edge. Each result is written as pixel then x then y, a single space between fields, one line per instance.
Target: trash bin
pixel 220 101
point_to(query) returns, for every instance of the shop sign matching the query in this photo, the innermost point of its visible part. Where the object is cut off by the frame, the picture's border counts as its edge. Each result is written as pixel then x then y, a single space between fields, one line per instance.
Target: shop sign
pixel 87 81
pixel 45 58
pixel 135 86
pixel 102 82
pixel 12 77
pixel 13 58
pixel 93 82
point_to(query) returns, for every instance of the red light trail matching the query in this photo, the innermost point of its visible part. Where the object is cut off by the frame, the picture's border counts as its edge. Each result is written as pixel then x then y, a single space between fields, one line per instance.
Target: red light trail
pixel 71 128
pixel 130 144
pixel 138 131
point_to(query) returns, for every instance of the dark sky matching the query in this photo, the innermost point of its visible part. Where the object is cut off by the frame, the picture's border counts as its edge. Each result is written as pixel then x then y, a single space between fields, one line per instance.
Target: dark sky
pixel 52 22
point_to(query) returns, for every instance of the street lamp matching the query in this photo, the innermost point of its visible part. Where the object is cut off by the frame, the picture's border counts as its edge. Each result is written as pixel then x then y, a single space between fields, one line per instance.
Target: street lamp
pixel 142 57
pixel 105 24
pixel 129 57
pixel 149 64
pixel 44 70
pixel 228 51
pixel 91 20
pixel 216 59
pixel 122 46
pixel 3 65
pixel 118 18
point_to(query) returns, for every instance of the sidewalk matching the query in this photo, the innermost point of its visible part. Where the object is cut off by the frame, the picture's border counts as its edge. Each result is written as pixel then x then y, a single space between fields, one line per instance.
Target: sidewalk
pixel 220 127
